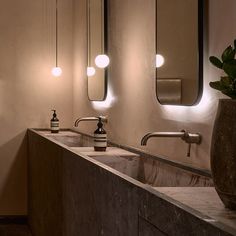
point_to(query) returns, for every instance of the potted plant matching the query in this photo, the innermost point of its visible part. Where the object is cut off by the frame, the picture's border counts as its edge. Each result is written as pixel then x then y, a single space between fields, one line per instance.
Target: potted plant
pixel 227 84
pixel 223 144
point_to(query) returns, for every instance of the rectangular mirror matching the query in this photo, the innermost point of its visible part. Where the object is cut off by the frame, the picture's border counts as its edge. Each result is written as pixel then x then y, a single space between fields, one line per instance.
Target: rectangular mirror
pixel 179 51
pixel 97 45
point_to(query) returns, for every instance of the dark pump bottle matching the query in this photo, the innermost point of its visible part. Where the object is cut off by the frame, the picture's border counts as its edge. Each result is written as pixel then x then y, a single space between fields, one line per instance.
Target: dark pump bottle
pixel 100 137
pixel 54 123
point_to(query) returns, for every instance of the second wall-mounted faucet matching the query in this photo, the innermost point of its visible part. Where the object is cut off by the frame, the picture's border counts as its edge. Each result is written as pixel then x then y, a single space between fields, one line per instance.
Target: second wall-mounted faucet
pixel 184 135
pixel 92 118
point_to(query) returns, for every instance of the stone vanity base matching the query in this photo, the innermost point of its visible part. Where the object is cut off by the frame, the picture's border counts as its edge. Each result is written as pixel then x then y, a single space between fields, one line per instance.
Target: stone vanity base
pixel 71 194
pixel 14 230
pixel 14 226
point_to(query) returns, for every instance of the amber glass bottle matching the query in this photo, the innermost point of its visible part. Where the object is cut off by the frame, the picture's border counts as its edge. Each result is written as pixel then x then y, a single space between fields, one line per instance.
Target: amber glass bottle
pixel 54 123
pixel 100 137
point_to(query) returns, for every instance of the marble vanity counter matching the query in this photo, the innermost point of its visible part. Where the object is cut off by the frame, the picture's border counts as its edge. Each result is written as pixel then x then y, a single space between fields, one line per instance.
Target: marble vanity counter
pixel 110 151
pixel 62 132
pixel 204 200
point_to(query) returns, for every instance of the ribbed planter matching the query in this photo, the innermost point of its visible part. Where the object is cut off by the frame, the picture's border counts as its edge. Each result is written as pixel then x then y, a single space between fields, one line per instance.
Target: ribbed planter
pixel 223 152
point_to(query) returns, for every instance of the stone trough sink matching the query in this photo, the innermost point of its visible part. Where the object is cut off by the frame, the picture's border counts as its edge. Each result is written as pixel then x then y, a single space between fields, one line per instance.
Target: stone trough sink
pixel 74 190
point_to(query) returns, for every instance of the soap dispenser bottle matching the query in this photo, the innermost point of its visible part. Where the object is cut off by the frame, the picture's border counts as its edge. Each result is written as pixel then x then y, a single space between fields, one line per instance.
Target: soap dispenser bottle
pixel 100 137
pixel 54 123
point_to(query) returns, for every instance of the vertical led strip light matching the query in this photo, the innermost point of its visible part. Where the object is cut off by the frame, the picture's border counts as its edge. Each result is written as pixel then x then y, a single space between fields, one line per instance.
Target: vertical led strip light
pixel 56 71
pixel 90 69
pixel 102 60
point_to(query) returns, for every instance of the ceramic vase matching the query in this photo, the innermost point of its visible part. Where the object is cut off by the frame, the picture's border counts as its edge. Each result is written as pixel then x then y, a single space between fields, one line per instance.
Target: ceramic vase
pixel 223 152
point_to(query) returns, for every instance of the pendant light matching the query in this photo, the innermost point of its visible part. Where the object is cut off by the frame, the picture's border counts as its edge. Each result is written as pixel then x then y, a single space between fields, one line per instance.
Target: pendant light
pixel 102 60
pixel 91 71
pixel 56 71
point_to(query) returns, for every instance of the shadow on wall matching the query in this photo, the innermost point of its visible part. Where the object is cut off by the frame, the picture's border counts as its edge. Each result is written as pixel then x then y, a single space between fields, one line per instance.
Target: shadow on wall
pixel 13 193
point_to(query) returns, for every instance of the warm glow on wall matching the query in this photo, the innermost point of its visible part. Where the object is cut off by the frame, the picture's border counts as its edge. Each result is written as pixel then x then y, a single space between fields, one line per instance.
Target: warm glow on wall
pixel 107 103
pixel 188 113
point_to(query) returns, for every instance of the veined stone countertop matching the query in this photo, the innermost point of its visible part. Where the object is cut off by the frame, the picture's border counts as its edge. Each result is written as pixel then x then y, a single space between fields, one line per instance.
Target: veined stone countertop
pixel 110 151
pixel 204 200
pixel 60 133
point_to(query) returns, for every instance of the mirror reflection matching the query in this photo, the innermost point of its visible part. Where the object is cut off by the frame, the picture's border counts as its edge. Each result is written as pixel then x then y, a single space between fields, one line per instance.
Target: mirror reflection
pixel 179 40
pixel 97 43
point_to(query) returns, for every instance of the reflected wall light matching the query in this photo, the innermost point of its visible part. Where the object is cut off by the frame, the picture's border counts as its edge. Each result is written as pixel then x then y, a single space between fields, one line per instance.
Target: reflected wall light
pixel 160 60
pixel 90 71
pixel 56 71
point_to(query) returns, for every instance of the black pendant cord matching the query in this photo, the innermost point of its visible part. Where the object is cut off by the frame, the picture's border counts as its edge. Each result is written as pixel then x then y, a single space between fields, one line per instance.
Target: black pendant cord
pixel 56 33
pixel 88 32
pixel 102 25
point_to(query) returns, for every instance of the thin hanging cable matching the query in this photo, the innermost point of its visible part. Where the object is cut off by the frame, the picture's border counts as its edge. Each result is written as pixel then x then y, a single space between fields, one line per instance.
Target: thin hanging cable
pixel 102 25
pixel 56 33
pixel 56 71
pixel 88 32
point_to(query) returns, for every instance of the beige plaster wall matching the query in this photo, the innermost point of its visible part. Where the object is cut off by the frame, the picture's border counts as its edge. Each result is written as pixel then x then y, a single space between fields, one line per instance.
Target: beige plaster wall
pixel 27 90
pixel 131 105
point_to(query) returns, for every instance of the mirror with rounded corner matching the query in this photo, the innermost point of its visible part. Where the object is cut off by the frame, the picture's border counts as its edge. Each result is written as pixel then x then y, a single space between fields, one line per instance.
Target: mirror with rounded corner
pixel 97 45
pixel 179 51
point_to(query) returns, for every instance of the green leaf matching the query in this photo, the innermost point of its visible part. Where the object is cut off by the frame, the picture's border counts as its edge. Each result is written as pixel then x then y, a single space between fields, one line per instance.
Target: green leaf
pixel 228 54
pixel 226 81
pixel 227 84
pixel 216 62
pixel 216 85
pixel 229 94
pixel 230 68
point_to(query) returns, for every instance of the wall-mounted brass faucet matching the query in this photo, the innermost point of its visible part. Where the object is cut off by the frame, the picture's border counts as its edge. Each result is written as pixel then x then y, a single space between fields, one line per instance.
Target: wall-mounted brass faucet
pixel 184 135
pixel 93 118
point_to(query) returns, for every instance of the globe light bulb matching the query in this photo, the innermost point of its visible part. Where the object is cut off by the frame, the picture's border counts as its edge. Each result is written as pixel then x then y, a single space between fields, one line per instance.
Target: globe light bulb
pixel 160 60
pixel 56 71
pixel 90 71
pixel 102 61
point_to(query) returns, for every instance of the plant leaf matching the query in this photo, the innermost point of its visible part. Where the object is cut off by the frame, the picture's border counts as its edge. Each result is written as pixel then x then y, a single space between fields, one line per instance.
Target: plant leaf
pixel 217 85
pixel 230 68
pixel 216 62
pixel 229 94
pixel 226 81
pixel 228 54
pixel 227 84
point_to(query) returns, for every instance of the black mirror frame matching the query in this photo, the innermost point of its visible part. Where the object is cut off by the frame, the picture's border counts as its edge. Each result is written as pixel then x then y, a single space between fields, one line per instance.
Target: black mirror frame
pixel 201 19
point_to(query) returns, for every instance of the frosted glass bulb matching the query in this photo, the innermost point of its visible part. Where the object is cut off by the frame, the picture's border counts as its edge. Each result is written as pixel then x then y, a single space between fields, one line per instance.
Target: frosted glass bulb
pixel 102 61
pixel 56 71
pixel 90 71
pixel 160 60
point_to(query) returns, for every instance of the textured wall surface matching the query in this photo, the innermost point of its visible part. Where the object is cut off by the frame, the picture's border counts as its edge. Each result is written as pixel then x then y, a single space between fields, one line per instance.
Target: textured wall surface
pixel 131 106
pixel 28 92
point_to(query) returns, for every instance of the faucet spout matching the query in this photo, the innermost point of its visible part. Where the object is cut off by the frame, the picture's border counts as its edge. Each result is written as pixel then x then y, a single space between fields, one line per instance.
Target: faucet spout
pixel 92 118
pixel 184 135
pixel 162 134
